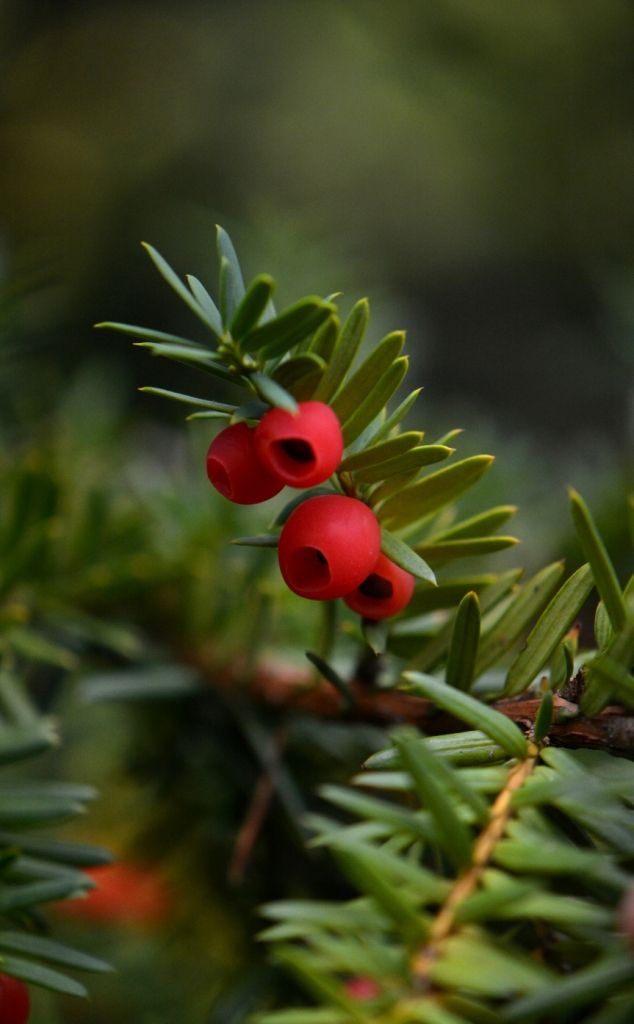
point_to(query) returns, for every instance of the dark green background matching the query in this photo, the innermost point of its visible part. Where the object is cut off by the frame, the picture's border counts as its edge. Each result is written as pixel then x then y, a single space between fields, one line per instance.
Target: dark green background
pixel 467 165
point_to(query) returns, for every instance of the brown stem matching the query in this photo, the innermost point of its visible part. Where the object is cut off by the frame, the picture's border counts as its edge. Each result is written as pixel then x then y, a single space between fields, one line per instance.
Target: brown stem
pixel 484 846
pixel 255 816
pixel 279 684
pixel 250 828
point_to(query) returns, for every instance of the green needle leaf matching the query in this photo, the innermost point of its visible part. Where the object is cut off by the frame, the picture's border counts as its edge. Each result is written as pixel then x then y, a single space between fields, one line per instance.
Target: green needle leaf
pixel 433 491
pixel 25 741
pixel 364 874
pixel 542 855
pixel 250 411
pixel 325 339
pixel 428 1011
pixel 181 290
pixel 148 334
pixel 373 403
pixel 33 645
pixel 603 631
pixel 583 985
pixel 206 303
pixel 477 526
pixel 398 869
pixel 345 350
pixel 346 401
pixel 76 854
pixel 448 550
pixel 447 594
pixel 319 984
pixel 45 977
pixel 430 783
pixel 608 673
pixel 562 663
pixel 521 611
pixel 24 813
pixel 231 281
pixel 549 630
pixel 461 748
pixel 252 306
pixel 21 897
pixel 473 962
pixel 382 452
pixel 53 952
pixel 401 553
pixel 463 647
pixel 498 727
pixel 393 485
pixel 397 819
pixel 301 374
pixel 602 568
pixel 409 462
pixel 263 540
pixel 291 327
pixel 209 415
pixel 343 917
pixel 434 649
pixel 176 396
pixel 544 717
pixel 376 634
pixel 305 1015
pixel 397 416
pixel 333 677
pixel 450 436
pixel 191 356
pixel 273 393
pixel 162 682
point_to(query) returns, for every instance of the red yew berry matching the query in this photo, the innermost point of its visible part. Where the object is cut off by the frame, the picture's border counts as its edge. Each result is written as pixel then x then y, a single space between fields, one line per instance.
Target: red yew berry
pixel 15 1004
pixel 328 546
pixel 361 988
pixel 303 449
pixel 126 895
pixel 384 592
pixel 235 470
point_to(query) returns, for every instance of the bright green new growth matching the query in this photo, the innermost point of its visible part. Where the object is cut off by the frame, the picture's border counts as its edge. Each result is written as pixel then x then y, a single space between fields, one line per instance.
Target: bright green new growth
pixel 487 877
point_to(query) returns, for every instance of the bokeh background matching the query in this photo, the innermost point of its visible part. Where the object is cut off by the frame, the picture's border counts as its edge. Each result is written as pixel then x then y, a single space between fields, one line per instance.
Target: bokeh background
pixel 468 166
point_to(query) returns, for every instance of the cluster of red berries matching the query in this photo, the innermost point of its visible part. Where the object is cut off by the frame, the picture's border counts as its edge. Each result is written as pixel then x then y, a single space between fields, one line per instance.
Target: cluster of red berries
pixel 330 546
pixel 15 1005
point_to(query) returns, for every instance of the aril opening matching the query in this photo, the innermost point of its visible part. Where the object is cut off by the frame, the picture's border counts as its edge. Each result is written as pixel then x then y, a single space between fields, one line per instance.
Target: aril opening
pixel 309 568
pixel 376 587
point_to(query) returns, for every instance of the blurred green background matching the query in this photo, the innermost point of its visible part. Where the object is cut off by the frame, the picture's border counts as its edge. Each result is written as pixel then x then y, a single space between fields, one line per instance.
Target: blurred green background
pixel 468 166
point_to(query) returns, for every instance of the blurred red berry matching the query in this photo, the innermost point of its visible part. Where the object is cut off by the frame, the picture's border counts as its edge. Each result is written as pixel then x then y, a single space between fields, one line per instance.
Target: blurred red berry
pixel 15 1003
pixel 234 469
pixel 384 592
pixel 126 895
pixel 302 449
pixel 328 546
pixel 362 988
pixel 625 917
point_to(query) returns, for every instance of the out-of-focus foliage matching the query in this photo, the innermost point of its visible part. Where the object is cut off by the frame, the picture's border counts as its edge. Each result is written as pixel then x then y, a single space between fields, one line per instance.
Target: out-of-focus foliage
pixel 36 868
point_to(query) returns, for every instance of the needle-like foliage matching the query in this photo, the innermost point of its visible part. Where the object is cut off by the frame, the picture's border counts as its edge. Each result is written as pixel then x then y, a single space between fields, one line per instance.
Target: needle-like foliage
pixel 487 866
